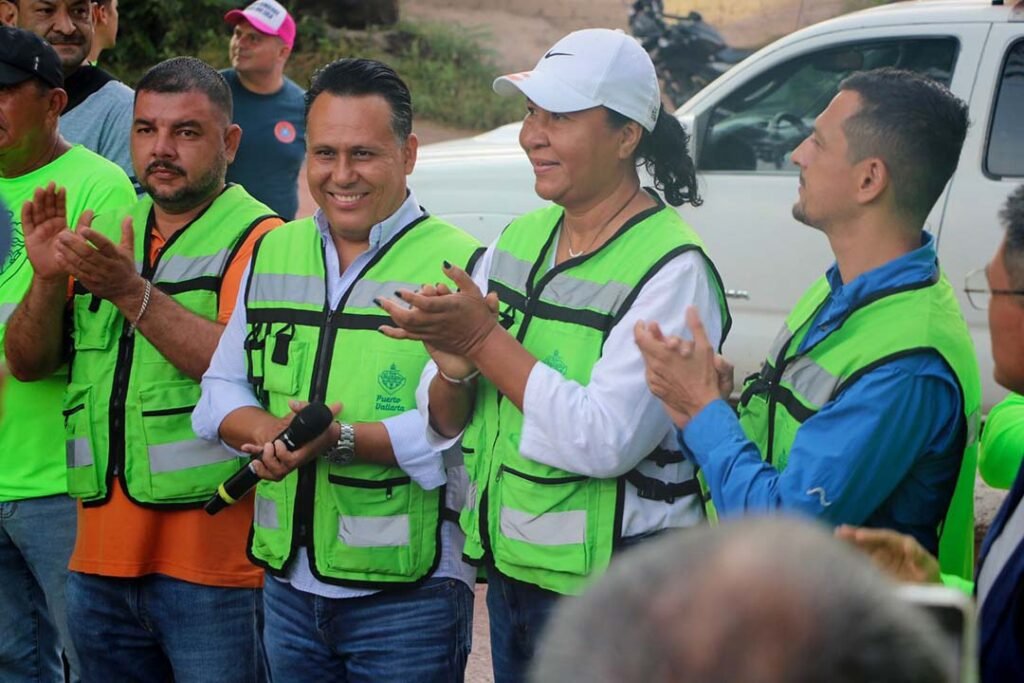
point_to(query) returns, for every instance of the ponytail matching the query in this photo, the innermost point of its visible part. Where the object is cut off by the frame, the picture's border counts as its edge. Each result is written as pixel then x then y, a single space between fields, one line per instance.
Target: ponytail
pixel 665 153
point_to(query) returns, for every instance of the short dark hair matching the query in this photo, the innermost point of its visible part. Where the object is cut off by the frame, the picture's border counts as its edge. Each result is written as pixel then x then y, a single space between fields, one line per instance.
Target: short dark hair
pixel 802 606
pixel 357 76
pixel 186 74
pixel 915 125
pixel 1012 216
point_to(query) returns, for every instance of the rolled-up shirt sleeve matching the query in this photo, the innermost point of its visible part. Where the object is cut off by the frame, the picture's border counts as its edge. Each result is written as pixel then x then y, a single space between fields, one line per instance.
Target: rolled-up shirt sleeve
pixel 603 429
pixel 417 458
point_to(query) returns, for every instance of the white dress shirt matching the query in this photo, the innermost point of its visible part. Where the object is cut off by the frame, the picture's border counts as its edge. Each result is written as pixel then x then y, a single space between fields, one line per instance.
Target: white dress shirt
pixel 226 388
pixel 608 427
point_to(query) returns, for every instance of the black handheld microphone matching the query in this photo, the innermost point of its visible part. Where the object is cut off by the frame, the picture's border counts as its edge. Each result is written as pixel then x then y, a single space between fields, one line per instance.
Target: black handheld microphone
pixel 307 424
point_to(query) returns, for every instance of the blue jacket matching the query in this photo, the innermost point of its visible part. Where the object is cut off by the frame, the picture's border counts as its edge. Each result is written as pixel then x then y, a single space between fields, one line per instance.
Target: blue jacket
pixel 1001 627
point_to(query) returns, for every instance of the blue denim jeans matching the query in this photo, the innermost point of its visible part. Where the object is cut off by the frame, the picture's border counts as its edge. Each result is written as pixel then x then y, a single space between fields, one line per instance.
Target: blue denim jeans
pixel 156 629
pixel 420 635
pixel 517 613
pixel 37 536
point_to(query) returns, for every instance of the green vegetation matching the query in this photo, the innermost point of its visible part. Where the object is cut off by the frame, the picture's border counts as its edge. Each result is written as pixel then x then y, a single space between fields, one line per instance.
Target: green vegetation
pixel 446 67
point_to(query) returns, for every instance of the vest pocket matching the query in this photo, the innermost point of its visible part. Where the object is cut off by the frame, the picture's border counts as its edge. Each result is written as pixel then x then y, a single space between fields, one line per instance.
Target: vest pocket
pixel 542 521
pixel 379 526
pixel 95 323
pixel 83 473
pixel 180 465
pixel 284 363
pixel 272 523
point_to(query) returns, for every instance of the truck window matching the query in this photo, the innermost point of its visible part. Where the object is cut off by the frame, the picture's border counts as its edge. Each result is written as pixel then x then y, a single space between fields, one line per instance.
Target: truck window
pixel 1005 154
pixel 756 127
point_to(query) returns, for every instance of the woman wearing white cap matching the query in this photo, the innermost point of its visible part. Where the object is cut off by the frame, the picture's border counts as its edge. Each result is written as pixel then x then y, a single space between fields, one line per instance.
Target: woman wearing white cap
pixel 569 455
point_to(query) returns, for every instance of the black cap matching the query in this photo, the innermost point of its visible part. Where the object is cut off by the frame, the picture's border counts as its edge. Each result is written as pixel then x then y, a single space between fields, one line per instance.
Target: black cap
pixel 24 55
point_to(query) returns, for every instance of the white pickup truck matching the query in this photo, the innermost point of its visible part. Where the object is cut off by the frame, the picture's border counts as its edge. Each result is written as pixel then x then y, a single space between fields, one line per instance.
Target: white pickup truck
pixel 744 126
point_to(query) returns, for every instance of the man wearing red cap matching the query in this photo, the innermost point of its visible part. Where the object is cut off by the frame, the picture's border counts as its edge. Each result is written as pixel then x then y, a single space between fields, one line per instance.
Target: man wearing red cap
pixel 268 106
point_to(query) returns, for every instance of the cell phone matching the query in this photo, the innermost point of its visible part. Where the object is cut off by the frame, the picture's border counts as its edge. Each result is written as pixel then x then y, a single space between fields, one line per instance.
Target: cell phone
pixel 956 616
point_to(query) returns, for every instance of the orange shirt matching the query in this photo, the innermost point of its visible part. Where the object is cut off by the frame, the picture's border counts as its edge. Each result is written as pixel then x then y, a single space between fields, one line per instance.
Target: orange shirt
pixel 123 539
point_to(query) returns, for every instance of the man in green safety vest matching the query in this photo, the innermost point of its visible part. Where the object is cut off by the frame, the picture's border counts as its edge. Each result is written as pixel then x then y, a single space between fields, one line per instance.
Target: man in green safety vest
pixel 866 408
pixel 357 529
pixel 153 284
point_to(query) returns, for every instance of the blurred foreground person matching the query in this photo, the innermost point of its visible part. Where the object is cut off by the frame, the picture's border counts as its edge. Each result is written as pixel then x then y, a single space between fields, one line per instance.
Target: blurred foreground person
pixel 756 601
pixel 999 583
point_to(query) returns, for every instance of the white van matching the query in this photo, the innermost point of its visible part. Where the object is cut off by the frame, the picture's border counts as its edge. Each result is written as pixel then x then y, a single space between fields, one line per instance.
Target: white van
pixel 744 127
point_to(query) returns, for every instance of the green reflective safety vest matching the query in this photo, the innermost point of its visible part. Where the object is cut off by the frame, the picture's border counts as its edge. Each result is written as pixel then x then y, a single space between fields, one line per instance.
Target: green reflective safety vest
pixel 792 387
pixel 127 409
pixel 540 524
pixel 362 524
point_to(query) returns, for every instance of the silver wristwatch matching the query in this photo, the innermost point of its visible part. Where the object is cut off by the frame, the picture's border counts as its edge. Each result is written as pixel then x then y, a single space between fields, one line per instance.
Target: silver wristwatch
pixel 344 451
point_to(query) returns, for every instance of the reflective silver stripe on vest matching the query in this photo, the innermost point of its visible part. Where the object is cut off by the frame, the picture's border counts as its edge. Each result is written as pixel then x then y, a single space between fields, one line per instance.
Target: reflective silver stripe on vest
pixel 571 292
pixel 550 528
pixel 508 269
pixel 973 427
pixel 999 553
pixel 181 268
pixel 810 381
pixel 373 532
pixel 275 288
pixel 79 453
pixel 471 495
pixel 182 455
pixel 365 291
pixel 778 343
pixel 265 513
pixel 6 311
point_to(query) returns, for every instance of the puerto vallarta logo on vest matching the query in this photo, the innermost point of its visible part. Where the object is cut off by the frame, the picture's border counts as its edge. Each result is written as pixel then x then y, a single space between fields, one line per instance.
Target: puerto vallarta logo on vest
pixel 391 380
pixel 556 363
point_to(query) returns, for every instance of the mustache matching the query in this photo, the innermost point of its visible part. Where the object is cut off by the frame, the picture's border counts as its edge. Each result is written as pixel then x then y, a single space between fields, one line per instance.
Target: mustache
pixel 61 39
pixel 165 165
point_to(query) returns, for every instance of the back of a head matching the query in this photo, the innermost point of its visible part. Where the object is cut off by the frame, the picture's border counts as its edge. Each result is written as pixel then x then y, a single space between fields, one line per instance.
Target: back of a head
pixel 914 124
pixel 771 601
pixel 1012 216
pixel 359 77
pixel 188 74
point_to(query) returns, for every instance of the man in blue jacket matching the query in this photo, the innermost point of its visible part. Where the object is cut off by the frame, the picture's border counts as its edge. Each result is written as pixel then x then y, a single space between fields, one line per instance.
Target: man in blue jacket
pixel 999 584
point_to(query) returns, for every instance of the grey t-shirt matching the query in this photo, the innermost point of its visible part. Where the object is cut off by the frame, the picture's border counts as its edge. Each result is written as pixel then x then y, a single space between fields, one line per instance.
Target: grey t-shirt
pixel 99 116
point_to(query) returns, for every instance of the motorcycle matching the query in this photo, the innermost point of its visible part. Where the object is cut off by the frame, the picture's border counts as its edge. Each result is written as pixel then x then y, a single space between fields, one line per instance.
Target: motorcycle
pixel 688 53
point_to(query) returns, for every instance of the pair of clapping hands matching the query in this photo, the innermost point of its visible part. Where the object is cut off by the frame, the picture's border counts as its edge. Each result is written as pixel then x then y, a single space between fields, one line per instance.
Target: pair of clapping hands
pixel 106 269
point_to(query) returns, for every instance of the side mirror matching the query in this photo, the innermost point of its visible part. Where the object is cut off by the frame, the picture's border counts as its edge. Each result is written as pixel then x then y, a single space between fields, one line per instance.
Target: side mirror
pixel 689 123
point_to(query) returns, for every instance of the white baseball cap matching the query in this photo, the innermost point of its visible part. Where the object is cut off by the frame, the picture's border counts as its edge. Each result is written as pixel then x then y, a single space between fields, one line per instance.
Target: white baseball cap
pixel 590 68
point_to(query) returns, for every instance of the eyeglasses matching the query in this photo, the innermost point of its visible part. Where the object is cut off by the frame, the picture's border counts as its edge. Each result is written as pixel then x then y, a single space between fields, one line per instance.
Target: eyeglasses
pixel 978 292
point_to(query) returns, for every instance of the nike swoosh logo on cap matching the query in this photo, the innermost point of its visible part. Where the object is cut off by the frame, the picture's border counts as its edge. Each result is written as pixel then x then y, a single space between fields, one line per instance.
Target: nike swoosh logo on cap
pixel 558 54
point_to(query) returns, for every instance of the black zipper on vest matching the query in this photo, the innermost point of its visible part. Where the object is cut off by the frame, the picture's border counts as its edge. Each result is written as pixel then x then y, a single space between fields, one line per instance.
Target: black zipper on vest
pixel 125 354
pixel 306 487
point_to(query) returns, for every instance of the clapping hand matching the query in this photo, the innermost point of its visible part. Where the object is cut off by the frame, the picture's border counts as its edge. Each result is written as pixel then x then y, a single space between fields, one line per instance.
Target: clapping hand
pixel 685 375
pixel 43 220
pixel 451 323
